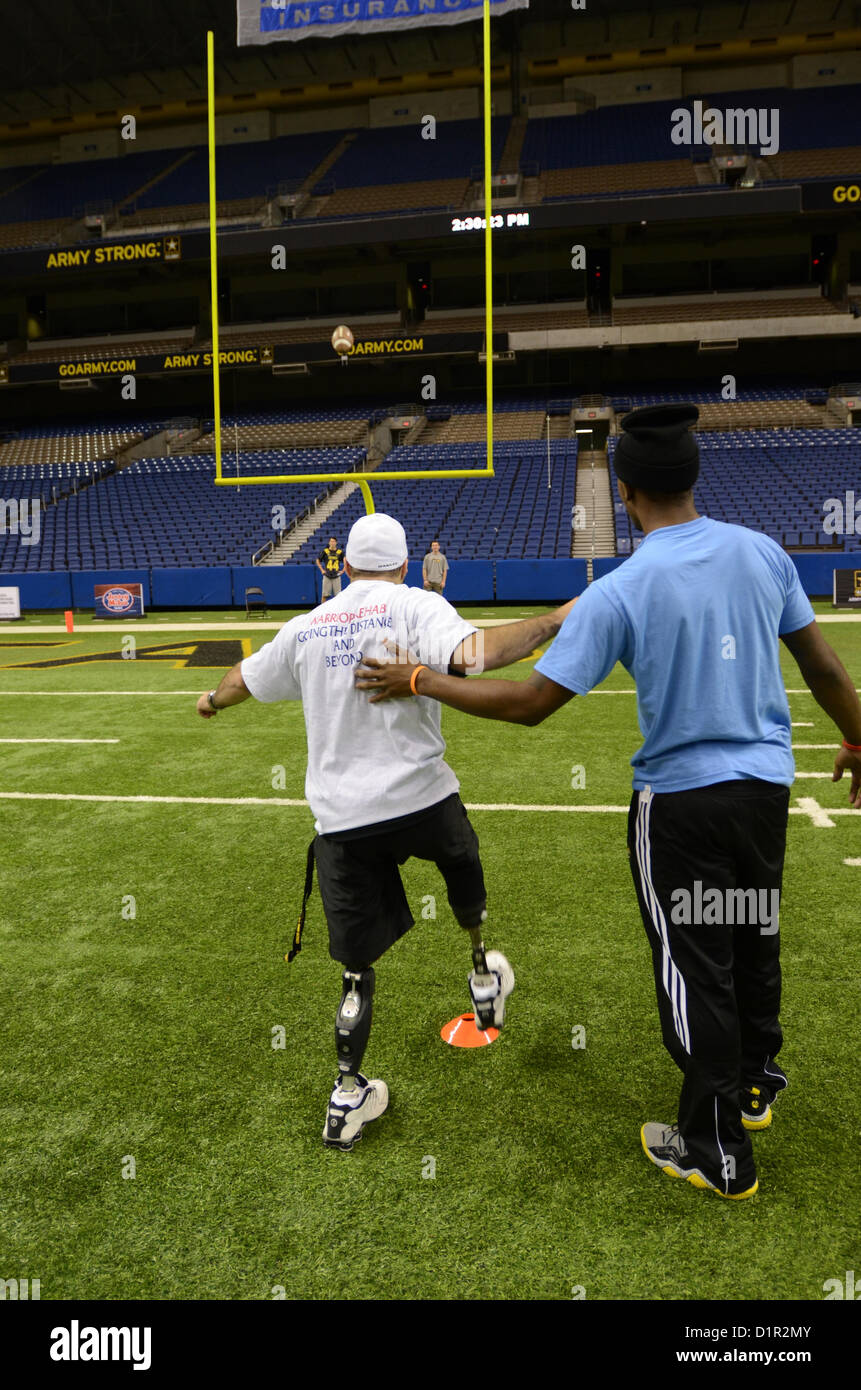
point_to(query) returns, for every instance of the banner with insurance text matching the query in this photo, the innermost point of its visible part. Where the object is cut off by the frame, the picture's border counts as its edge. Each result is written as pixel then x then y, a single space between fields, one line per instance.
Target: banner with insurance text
pixel 269 21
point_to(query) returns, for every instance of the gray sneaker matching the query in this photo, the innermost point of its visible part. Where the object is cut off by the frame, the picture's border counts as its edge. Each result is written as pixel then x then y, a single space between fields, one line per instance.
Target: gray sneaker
pixel 664 1146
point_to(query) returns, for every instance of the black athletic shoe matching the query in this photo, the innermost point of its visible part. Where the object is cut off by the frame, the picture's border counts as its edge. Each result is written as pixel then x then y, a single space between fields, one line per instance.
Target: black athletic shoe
pixel 756 1101
pixel 755 1109
pixel 665 1147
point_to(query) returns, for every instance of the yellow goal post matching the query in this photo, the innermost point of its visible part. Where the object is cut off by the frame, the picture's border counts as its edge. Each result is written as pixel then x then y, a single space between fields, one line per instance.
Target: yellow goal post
pixel 379 475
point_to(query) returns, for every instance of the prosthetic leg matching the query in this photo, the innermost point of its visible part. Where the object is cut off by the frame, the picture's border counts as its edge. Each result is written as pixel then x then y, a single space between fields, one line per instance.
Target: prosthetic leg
pixel 353 1023
pixel 355 1100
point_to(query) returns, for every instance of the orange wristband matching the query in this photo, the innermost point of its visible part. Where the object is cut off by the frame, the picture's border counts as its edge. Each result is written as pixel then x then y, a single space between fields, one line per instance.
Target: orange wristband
pixel 853 747
pixel 413 678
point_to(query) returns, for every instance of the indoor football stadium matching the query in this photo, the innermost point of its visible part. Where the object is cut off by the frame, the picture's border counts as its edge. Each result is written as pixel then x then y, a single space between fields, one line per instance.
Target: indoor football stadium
pixel 484 306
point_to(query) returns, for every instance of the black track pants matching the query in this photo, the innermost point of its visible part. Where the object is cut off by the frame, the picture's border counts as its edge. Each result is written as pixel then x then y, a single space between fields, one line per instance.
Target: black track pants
pixel 707 866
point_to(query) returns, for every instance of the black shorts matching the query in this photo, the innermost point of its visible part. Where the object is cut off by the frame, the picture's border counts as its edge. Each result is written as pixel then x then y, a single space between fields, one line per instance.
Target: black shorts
pixel 360 883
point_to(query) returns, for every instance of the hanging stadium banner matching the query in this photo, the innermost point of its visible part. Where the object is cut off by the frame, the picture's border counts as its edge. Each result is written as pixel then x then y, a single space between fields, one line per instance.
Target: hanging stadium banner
pixel 111 253
pixel 416 344
pixel 268 21
pixel 842 194
pixel 152 364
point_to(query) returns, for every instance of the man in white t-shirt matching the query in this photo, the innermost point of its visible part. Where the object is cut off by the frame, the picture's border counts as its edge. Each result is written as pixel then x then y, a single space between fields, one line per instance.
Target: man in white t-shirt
pixel 377 783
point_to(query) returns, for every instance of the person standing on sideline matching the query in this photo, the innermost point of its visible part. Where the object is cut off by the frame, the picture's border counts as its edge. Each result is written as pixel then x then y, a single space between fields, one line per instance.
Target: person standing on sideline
pixel 378 785
pixel 694 616
pixel 434 569
pixel 330 563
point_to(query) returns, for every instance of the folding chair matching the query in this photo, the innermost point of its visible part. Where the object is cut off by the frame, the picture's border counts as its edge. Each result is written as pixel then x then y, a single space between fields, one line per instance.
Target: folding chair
pixel 255 603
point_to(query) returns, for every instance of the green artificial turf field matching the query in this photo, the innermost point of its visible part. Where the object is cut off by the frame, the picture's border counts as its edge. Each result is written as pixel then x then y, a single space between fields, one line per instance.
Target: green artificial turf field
pixel 145 1042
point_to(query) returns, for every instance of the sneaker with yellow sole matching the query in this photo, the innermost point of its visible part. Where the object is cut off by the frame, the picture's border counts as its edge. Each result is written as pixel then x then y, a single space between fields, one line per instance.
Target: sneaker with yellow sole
pixel 664 1146
pixel 755 1109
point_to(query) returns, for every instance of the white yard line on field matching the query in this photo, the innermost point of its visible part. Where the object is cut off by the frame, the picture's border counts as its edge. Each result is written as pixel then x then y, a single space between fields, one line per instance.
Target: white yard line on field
pixel 229 625
pixel 160 800
pixel 7 693
pixel 806 746
pixel 59 740
pixel 807 806
pixel 140 630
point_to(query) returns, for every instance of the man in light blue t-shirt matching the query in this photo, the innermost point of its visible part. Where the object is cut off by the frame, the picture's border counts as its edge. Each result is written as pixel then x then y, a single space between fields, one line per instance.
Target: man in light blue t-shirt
pixel 694 616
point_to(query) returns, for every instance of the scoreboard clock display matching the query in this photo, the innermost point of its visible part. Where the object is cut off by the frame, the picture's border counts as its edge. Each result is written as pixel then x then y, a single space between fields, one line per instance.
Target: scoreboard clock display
pixel 499 219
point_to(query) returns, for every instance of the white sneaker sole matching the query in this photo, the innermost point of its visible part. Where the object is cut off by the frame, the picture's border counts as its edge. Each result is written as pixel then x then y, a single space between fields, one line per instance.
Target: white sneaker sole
pixel 757 1121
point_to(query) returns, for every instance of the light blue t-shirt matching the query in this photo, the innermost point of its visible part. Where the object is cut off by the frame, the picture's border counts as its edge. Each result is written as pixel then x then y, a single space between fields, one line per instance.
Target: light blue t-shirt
pixel 694 616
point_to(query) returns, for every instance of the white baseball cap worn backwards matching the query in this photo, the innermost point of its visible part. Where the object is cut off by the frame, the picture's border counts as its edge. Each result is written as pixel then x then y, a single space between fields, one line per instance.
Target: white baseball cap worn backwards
pixel 376 542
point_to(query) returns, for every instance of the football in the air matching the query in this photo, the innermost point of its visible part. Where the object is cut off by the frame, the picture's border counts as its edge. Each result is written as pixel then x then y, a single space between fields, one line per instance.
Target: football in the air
pixel 342 339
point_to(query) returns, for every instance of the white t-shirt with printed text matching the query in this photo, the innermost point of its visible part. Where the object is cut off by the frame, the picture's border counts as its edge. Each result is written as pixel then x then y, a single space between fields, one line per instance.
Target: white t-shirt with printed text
pixel 366 762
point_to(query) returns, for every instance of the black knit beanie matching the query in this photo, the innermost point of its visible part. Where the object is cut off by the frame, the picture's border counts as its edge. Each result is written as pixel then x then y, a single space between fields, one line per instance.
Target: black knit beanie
pixel 657 451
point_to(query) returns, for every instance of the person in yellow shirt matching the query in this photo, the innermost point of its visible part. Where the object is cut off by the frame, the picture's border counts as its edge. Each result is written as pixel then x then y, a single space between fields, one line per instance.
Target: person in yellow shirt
pixel 330 563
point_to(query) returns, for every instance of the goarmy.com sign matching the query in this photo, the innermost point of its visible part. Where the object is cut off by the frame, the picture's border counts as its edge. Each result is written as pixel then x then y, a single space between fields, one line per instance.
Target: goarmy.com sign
pixel 167 248
pixel 166 362
pixel 845 195
pixel 105 366
pixel 375 347
pixel 192 360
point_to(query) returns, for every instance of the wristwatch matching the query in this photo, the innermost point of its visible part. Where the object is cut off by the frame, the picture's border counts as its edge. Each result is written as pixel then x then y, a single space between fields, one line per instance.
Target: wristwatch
pixel 212 702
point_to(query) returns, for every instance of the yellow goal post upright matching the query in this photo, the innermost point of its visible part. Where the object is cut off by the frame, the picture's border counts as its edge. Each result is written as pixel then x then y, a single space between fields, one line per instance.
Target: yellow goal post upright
pixel 379 475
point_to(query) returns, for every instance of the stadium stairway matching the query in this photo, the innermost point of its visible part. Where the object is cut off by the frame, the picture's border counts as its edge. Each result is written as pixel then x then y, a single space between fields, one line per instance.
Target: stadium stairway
pixel 315 205
pixel 416 430
pixel 596 536
pixel 296 537
pixel 128 202
pixel 509 162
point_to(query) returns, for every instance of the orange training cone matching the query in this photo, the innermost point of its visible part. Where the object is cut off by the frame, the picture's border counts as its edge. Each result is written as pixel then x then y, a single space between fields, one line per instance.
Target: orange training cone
pixel 462 1032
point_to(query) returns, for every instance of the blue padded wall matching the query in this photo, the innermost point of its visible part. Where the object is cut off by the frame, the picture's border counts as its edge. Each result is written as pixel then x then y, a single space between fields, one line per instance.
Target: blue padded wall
pixel 284 586
pixel 42 590
pixel 605 564
pixel 539 581
pixel 815 570
pixel 193 588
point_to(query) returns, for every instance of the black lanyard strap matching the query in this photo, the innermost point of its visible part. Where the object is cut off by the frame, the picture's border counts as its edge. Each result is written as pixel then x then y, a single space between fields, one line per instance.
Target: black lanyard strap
pixel 308 890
